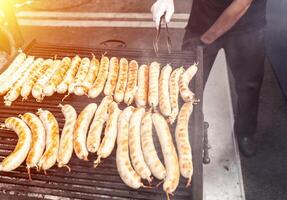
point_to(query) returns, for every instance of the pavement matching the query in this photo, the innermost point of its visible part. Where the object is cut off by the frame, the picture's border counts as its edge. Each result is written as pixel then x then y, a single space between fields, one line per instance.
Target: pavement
pixel 265 174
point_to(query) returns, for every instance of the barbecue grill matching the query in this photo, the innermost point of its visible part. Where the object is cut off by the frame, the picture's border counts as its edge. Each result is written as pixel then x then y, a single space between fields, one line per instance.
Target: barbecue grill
pixel 85 182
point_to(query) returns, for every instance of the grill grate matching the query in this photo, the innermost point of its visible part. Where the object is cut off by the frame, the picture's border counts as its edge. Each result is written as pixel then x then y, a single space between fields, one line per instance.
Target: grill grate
pixel 85 182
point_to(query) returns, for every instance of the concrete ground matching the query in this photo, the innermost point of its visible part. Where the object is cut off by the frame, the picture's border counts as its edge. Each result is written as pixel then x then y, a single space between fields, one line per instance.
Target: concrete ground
pixel 264 175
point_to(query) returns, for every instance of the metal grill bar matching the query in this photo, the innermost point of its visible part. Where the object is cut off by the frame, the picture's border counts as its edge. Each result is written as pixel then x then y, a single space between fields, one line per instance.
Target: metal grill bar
pixel 85 182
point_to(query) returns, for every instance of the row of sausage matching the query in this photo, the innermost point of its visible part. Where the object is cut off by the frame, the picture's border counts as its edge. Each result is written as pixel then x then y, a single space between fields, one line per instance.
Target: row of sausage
pixel 125 80
pixel 131 128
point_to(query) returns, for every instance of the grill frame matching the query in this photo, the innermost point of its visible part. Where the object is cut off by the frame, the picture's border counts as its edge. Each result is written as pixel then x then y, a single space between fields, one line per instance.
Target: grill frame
pixel 16 184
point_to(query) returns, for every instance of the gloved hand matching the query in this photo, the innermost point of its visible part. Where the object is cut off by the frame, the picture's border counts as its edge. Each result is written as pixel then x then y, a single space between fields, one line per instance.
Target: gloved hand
pixel 159 8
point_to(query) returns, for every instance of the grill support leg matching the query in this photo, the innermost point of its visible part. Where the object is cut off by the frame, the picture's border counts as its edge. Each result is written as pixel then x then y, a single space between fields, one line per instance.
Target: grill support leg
pixel 206 158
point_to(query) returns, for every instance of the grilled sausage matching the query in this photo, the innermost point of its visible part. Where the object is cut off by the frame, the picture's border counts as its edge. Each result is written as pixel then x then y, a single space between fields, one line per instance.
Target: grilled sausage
pixel 150 155
pixel 124 166
pixel 17 157
pixel 19 59
pixel 142 91
pixel 92 74
pixel 99 84
pixel 38 140
pixel 67 137
pixel 34 76
pixel 154 71
pixel 15 90
pixel 77 86
pixel 186 94
pixel 57 77
pixel 169 153
pixel 109 140
pixel 182 142
pixel 122 80
pixel 173 93
pixel 132 82
pixel 101 115
pixel 70 75
pixel 81 129
pixel 7 84
pixel 112 77
pixel 164 100
pixel 38 88
pixel 51 126
pixel 136 153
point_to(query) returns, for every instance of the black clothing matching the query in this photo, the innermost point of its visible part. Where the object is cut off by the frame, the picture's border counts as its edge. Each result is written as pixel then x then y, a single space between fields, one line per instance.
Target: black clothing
pixel 245 54
pixel 205 12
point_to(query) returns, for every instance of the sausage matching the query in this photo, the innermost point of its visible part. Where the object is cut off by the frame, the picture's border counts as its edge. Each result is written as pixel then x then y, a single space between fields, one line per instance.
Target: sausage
pixel 182 142
pixel 92 74
pixel 154 71
pixel 186 94
pixel 142 91
pixel 173 93
pixel 7 84
pixel 109 140
pixel 99 84
pixel 57 77
pixel 67 137
pixel 18 60
pixel 169 153
pixel 132 82
pixel 124 166
pixel 30 82
pixel 112 77
pixel 17 157
pixel 122 80
pixel 164 100
pixel 51 126
pixel 15 90
pixel 101 115
pixel 136 153
pixel 38 140
pixel 70 75
pixel 150 155
pixel 38 88
pixel 81 129
pixel 77 86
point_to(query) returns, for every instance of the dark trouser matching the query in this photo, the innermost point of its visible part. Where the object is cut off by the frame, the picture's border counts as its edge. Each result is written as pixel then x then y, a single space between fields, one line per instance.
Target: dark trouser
pixel 245 54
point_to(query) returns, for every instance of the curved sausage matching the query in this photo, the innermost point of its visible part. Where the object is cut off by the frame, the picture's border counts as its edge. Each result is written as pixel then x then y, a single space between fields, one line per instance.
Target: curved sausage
pixel 136 153
pixel 186 94
pixel 92 74
pixel 182 142
pixel 109 140
pixel 169 153
pixel 174 92
pixel 150 155
pixel 50 123
pixel 38 140
pixel 81 129
pixel 77 86
pixel 67 137
pixel 124 166
pixel 17 157
pixel 101 115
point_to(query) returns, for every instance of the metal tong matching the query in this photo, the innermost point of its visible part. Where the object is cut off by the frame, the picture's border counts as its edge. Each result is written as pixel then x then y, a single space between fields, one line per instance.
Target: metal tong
pixel 156 39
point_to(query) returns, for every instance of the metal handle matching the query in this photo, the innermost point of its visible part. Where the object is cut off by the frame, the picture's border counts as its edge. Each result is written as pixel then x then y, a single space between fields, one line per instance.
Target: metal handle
pixel 206 158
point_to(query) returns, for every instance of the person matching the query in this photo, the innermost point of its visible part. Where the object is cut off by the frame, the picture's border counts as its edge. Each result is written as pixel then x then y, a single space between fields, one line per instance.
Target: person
pixel 237 26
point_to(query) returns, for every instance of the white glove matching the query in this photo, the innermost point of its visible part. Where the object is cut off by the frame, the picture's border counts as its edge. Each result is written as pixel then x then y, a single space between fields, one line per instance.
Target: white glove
pixel 159 8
